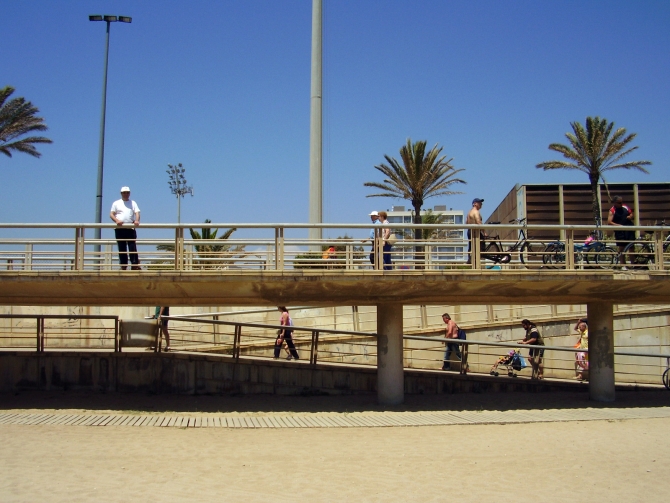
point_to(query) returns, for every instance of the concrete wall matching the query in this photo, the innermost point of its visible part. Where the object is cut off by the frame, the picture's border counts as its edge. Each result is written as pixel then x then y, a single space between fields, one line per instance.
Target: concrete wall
pixel 197 374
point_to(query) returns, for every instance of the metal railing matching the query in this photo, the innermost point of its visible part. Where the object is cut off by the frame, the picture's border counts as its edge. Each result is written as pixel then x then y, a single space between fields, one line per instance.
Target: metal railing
pixel 280 247
pixel 314 345
pixel 41 332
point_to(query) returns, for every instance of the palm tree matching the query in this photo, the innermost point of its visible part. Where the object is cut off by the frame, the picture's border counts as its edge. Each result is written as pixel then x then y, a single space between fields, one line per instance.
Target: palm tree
pixel 17 118
pixel 212 256
pixel 422 175
pixel 594 151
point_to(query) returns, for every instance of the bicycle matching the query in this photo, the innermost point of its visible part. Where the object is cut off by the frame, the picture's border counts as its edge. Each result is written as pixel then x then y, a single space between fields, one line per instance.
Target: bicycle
pixel 529 251
pixel 640 253
pixel 593 251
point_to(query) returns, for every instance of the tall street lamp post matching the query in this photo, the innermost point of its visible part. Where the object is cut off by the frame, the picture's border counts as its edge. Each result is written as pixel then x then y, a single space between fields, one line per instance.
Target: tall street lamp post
pixel 177 184
pixel 101 150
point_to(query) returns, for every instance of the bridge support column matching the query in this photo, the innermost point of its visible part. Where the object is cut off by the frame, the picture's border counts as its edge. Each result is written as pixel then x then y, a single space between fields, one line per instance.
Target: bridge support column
pixel 601 350
pixel 390 375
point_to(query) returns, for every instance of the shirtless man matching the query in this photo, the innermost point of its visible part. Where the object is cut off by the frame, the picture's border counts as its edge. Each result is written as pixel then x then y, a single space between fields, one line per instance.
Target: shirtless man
pixel 474 217
pixel 451 332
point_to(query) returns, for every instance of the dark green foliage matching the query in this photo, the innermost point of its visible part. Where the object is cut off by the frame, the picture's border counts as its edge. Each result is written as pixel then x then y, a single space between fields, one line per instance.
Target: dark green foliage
pixel 17 118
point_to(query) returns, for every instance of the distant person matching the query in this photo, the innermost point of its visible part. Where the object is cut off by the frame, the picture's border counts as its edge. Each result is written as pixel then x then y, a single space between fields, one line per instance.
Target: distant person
pixel 474 217
pixel 386 234
pixel 581 357
pixel 451 332
pixel 621 215
pixel 126 215
pixel 535 355
pixel 329 254
pixel 163 324
pixel 285 335
pixel 374 216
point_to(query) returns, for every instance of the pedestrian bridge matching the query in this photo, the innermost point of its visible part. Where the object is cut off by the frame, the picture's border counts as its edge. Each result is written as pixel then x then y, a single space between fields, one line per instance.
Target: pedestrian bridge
pixel 275 264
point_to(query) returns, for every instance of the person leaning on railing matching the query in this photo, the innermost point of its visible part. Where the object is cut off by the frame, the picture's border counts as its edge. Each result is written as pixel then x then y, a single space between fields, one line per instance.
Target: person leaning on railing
pixel 581 357
pixel 535 355
pixel 475 217
pixel 126 215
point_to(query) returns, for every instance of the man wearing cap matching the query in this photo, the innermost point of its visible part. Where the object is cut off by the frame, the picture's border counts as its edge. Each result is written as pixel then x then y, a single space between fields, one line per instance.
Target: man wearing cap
pixel 474 217
pixel 374 216
pixel 126 215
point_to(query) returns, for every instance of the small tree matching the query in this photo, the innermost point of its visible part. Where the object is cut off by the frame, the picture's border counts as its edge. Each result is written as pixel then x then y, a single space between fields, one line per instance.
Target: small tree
pixel 211 255
pixel 595 150
pixel 17 118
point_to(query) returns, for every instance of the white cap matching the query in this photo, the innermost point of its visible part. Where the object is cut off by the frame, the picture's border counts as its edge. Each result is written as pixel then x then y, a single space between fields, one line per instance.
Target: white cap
pixel 374 214
pixel 125 189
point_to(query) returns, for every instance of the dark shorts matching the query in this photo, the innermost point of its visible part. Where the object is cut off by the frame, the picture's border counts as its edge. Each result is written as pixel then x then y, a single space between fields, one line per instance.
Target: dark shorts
pixel 624 237
pixel 535 351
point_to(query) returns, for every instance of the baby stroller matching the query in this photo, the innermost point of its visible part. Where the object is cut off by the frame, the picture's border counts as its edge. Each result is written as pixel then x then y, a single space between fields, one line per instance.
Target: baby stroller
pixel 512 361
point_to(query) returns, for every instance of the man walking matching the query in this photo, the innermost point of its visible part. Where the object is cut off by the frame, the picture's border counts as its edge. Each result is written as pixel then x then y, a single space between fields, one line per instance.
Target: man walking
pixel 475 217
pixel 126 215
pixel 451 332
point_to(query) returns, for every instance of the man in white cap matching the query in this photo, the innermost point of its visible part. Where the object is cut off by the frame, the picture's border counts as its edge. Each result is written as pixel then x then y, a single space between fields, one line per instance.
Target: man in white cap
pixel 126 215
pixel 374 216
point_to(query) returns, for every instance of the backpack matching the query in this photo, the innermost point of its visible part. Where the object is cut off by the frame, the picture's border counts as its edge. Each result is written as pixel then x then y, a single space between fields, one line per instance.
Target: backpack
pixel 461 334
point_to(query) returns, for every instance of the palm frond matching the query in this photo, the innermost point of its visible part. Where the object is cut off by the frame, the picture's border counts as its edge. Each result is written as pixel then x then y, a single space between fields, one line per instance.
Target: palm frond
pixel 595 149
pixel 18 117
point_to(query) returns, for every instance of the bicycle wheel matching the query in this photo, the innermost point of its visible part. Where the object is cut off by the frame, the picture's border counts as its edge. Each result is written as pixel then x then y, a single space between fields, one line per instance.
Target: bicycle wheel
pixel 532 254
pixel 666 378
pixel 606 257
pixel 492 253
pixel 637 255
pixel 554 254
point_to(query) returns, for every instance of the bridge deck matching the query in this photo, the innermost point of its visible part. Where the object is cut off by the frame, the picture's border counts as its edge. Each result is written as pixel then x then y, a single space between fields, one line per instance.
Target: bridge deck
pixel 327 288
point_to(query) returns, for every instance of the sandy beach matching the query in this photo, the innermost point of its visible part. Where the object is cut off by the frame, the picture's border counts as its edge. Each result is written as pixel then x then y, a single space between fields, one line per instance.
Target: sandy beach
pixel 625 460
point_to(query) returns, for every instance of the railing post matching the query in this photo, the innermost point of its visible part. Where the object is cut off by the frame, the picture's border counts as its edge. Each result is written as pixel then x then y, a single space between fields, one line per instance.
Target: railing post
pixel 117 344
pixel 464 359
pixel 476 256
pixel 349 257
pixel 79 248
pixel 314 349
pixel 40 334
pixel 570 250
pixel 215 329
pixel 279 248
pixel 179 248
pixel 658 249
pixel 236 341
pixel 28 261
pixel 107 259
pixel 379 250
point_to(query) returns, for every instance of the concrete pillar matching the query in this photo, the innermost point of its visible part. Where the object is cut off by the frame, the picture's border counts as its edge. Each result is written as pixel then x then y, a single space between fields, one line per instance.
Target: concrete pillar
pixel 601 350
pixel 390 375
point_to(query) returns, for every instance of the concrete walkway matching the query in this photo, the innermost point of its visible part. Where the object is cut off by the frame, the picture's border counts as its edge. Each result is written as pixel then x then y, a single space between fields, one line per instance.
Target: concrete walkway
pixel 333 420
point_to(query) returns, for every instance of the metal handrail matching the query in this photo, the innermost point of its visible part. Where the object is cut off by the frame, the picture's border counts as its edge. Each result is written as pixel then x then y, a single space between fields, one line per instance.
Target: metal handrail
pixel 282 253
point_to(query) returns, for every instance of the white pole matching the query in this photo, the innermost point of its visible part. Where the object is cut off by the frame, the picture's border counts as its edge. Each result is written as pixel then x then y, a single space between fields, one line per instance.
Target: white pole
pixel 316 125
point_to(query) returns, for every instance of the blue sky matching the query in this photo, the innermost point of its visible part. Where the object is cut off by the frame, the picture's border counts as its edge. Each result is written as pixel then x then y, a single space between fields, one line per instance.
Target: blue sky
pixel 223 87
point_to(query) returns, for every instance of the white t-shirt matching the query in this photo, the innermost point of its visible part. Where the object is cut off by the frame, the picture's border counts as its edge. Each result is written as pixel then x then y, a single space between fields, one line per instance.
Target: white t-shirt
pixel 125 211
